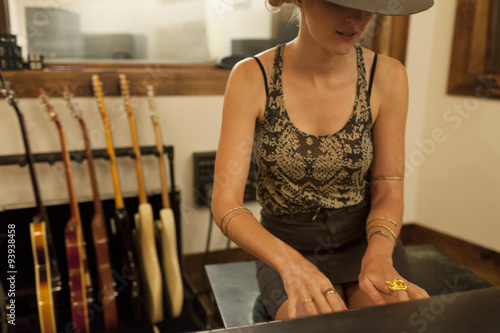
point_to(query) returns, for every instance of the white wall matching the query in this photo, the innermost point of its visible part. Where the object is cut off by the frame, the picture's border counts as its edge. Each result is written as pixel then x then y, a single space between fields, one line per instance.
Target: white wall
pixel 453 142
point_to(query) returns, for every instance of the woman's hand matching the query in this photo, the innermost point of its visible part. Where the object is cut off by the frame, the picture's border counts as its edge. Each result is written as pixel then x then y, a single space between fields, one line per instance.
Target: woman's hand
pixel 375 271
pixel 305 285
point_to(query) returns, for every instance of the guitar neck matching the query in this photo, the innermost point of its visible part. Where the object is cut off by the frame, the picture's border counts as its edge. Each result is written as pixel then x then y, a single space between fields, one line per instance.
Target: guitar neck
pixel 92 173
pixel 161 162
pixel 159 146
pixel 135 142
pixel 41 214
pixel 96 83
pixel 75 213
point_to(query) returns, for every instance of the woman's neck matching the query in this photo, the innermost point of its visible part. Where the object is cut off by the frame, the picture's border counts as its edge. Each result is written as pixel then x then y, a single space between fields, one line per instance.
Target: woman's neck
pixel 309 59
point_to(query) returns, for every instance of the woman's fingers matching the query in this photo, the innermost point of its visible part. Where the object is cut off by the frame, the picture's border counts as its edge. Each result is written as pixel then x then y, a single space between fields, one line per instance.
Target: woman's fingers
pixel 292 307
pixel 336 302
pixel 309 303
pixel 415 292
pixel 373 293
pixel 315 301
pixel 412 291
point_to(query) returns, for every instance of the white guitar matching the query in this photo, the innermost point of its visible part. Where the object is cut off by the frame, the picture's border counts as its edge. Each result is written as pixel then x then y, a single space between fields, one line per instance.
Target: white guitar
pixel 165 227
pixel 145 231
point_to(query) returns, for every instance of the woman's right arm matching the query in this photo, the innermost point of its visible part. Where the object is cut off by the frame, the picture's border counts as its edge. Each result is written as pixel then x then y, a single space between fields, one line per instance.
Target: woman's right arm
pixel 244 101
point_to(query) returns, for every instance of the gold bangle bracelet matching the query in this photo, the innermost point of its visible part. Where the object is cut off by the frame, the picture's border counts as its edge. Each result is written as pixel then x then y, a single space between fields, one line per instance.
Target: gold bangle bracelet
pixel 383 218
pixel 387 178
pixel 229 211
pixel 385 227
pixel 246 211
pixel 383 233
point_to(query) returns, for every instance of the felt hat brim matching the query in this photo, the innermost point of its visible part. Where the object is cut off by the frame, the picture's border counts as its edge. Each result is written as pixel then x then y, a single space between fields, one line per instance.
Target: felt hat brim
pixel 387 7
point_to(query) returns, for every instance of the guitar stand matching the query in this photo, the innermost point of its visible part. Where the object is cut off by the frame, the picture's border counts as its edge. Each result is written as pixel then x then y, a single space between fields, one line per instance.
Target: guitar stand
pixel 79 156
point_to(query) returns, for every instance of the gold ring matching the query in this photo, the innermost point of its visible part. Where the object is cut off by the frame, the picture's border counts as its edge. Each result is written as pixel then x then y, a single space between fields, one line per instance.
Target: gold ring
pixel 395 285
pixel 328 291
pixel 307 300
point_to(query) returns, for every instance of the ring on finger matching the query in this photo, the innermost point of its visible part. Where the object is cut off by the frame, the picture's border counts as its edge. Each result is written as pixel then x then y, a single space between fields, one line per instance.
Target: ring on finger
pixel 396 285
pixel 307 300
pixel 328 291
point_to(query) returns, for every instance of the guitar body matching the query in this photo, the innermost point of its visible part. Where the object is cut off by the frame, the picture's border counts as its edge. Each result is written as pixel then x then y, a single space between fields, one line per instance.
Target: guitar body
pixel 43 277
pixel 122 249
pixel 106 283
pixel 172 278
pixel 106 293
pixel 125 267
pixel 80 284
pixel 150 265
pixel 47 274
pixel 76 274
pixel 165 227
pixel 144 227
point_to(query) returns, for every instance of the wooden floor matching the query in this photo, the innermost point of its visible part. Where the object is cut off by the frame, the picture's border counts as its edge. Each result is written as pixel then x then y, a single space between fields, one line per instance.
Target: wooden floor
pixel 483 262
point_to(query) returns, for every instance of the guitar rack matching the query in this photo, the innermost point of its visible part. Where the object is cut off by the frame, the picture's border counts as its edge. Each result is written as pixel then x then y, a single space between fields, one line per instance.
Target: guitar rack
pixel 57 216
pixel 79 156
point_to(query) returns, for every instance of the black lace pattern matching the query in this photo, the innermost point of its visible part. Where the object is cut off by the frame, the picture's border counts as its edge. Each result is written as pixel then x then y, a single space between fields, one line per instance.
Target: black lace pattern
pixel 298 172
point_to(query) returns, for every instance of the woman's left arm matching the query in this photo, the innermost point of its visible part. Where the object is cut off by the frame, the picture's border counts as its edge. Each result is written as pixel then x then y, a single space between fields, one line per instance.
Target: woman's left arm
pixel 389 108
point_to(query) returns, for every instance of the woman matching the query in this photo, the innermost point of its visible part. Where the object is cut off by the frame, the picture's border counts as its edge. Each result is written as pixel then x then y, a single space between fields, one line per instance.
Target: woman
pixel 328 147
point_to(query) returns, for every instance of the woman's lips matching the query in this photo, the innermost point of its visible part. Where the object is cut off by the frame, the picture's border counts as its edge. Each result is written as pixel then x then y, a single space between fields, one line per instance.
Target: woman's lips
pixel 346 36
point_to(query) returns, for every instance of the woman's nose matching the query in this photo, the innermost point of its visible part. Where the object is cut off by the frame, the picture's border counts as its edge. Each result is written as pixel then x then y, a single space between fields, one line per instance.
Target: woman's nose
pixel 355 17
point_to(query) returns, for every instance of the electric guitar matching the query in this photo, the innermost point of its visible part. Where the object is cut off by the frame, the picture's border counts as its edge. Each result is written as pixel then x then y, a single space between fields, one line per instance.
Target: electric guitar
pixel 123 254
pixel 165 227
pixel 47 273
pixel 73 236
pixel 144 224
pixel 99 235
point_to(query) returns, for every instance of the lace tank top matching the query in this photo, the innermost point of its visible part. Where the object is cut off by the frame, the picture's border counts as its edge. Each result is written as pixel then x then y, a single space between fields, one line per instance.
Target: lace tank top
pixel 297 172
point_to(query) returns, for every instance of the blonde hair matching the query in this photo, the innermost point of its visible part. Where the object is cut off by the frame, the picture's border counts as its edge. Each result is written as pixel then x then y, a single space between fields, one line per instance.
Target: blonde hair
pixel 285 6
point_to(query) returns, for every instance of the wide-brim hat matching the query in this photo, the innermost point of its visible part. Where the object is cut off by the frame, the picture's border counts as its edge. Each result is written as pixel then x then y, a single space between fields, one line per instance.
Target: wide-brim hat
pixel 387 7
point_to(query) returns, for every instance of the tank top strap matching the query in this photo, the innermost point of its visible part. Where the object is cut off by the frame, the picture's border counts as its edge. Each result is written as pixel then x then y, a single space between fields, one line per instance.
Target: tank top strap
pixel 362 84
pixel 274 106
pixel 277 67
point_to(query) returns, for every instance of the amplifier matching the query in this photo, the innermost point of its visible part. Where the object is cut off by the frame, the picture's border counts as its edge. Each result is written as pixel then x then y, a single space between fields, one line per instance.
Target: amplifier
pixel 10 53
pixel 204 165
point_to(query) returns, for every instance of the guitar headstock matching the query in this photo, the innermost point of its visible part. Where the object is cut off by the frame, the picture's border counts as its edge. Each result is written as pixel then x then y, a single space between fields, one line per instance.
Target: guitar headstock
pixel 45 101
pixel 125 92
pixel 152 103
pixel 97 87
pixel 68 97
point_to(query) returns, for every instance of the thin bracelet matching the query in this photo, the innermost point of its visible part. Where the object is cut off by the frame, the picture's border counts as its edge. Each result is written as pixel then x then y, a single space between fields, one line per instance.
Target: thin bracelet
pixel 387 178
pixel 386 227
pixel 231 217
pixel 382 218
pixel 383 233
pixel 231 210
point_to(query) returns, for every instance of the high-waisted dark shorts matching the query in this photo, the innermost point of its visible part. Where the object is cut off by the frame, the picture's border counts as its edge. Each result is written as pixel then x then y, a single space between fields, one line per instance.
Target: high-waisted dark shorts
pixel 332 239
